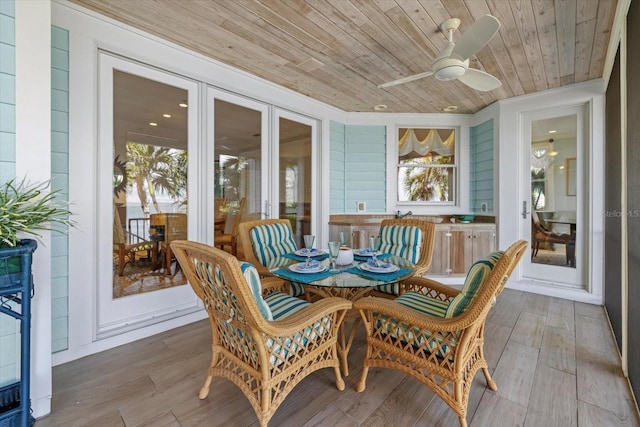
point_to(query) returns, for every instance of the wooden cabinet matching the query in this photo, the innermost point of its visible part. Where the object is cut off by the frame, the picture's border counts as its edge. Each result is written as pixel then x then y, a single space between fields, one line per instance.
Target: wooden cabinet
pixel 358 234
pixel 457 245
pixel 460 245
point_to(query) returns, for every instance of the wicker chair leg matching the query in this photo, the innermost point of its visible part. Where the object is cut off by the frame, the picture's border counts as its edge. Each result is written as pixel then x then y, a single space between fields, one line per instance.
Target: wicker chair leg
pixel 463 421
pixel 121 263
pixel 490 382
pixel 339 380
pixel 204 391
pixel 362 384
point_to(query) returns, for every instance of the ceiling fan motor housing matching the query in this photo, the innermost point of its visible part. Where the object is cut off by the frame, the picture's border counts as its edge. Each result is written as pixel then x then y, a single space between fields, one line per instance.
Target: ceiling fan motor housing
pixel 449 68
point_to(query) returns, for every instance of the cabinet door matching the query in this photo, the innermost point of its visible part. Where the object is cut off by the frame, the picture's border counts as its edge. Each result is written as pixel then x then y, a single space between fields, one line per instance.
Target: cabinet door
pixel 484 242
pixel 461 251
pixel 440 260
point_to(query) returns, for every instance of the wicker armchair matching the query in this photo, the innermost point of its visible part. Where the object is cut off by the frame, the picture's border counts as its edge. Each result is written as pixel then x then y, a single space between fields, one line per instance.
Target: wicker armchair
pixel 263 345
pixel 412 239
pixel 126 244
pixel 435 333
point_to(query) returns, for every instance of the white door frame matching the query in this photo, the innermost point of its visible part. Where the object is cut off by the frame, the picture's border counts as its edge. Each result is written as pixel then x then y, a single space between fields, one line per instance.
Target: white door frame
pixel 121 315
pixel 316 207
pixel 547 274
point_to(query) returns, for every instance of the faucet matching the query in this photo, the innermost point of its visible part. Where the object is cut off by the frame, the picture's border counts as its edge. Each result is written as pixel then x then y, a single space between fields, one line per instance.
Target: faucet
pixel 402 215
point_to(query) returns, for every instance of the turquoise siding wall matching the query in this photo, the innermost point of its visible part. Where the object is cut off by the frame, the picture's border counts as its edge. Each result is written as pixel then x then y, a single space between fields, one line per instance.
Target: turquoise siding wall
pixel 59 181
pixel 7 91
pixel 358 168
pixel 481 167
pixel 365 159
pixel 9 337
pixel 336 168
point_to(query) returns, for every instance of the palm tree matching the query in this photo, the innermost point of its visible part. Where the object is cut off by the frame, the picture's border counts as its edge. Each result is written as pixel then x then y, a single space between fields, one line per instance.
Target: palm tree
pixel 427 183
pixel 154 168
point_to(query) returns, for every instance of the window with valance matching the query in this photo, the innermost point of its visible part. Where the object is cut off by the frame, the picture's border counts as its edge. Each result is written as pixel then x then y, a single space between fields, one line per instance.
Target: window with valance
pixel 427 165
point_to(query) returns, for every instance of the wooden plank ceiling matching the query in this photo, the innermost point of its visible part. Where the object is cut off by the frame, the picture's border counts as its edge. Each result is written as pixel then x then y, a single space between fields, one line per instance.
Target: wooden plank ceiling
pixel 338 51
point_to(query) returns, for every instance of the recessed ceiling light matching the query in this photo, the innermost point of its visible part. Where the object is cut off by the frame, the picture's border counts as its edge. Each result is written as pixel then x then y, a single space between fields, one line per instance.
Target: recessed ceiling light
pixel 553 131
pixel 449 108
pixel 380 107
pixel 153 124
pixel 553 153
pixel 168 116
pixel 561 167
pixel 183 104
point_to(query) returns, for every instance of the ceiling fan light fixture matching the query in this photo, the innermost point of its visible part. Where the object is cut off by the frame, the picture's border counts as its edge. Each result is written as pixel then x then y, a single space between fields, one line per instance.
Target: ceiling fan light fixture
pixel 451 72
pixel 380 107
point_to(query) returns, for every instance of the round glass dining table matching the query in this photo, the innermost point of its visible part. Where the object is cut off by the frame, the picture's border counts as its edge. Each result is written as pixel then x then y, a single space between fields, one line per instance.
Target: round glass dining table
pixel 351 282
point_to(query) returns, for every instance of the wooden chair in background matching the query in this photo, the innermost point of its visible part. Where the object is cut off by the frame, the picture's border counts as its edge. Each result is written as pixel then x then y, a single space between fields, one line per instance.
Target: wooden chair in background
pixel 126 244
pixel 231 239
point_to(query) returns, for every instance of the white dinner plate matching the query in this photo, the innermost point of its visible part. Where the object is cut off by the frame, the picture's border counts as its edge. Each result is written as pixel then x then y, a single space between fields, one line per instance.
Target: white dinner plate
pixel 299 268
pixel 366 253
pixel 314 252
pixel 390 268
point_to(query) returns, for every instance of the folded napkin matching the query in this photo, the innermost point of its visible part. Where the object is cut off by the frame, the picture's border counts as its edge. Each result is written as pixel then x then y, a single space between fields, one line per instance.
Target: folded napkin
pixel 365 250
pixel 378 263
pixel 366 258
pixel 308 251
pixel 312 264
pixel 319 256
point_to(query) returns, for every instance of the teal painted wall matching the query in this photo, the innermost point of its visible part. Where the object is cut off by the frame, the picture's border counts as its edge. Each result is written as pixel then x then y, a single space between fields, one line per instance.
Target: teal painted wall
pixel 358 168
pixel 9 337
pixel 336 168
pixel 60 181
pixel 365 159
pixel 481 167
pixel 7 91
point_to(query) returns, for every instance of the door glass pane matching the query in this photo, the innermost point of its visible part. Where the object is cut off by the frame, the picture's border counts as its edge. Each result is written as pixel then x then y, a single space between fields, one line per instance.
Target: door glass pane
pixel 237 170
pixel 295 176
pixel 553 191
pixel 149 183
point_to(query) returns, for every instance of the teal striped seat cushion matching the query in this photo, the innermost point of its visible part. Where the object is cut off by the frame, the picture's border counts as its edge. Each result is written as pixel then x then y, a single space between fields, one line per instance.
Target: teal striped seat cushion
pixel 423 303
pixel 478 273
pixel 435 342
pixel 283 306
pixel 271 241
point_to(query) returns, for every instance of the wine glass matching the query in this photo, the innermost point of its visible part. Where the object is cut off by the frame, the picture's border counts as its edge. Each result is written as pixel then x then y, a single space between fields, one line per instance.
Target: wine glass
pixel 334 248
pixel 373 245
pixel 308 244
pixel 343 238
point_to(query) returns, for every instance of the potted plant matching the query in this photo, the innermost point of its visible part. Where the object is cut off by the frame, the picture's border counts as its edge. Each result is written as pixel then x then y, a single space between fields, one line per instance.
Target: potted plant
pixel 28 209
pixel 25 209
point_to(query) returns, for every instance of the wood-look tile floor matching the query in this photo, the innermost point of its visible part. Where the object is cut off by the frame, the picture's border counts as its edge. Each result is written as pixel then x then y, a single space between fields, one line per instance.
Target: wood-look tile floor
pixel 554 361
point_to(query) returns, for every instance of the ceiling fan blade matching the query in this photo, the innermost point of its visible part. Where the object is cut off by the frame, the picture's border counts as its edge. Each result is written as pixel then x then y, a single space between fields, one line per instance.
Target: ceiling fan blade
pixel 476 37
pixel 479 80
pixel 405 79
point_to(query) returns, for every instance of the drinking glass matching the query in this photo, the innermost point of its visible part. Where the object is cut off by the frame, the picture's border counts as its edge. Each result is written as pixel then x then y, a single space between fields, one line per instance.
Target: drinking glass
pixel 343 238
pixel 334 248
pixel 374 242
pixel 308 244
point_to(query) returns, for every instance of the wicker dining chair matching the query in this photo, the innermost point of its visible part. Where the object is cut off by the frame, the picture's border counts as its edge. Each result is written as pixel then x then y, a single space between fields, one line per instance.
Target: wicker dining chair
pixel 411 239
pixel 231 239
pixel 267 345
pixel 434 332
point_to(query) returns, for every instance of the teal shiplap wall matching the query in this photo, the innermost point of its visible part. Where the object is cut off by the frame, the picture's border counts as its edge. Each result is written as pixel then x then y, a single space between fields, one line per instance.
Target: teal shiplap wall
pixel 481 167
pixel 9 337
pixel 336 168
pixel 358 162
pixel 60 181
pixel 7 91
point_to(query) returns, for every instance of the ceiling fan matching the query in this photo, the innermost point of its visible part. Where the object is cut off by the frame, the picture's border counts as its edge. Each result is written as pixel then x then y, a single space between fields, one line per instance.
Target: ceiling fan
pixel 453 61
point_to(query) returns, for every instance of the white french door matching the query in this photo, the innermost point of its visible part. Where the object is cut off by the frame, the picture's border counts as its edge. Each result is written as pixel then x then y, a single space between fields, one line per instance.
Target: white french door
pixel 553 196
pixel 147 129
